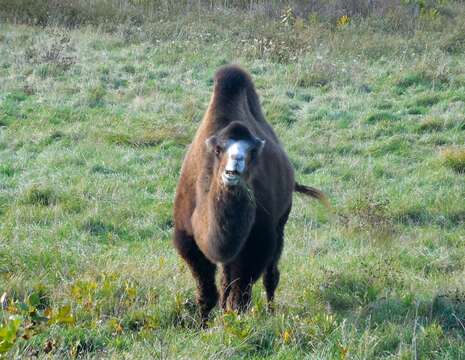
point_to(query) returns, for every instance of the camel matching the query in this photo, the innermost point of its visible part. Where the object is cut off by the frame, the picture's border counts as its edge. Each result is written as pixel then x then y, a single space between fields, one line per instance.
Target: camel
pixel 234 197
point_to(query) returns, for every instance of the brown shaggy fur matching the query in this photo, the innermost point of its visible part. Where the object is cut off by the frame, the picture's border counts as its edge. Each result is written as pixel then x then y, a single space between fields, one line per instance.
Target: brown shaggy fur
pixel 241 228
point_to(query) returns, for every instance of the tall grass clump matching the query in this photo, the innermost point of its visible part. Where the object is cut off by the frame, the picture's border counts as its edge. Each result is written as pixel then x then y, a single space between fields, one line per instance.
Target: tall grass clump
pixel 455 159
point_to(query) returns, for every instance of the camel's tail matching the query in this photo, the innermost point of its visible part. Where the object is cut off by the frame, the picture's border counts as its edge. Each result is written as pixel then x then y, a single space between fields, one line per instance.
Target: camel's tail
pixel 314 193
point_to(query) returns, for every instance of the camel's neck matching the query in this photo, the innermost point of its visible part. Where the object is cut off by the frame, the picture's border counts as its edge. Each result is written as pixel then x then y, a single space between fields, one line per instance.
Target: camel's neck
pixel 230 214
pixel 231 210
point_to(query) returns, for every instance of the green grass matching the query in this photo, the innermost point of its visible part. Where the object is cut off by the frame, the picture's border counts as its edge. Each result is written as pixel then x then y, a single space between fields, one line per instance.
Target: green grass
pixel 94 123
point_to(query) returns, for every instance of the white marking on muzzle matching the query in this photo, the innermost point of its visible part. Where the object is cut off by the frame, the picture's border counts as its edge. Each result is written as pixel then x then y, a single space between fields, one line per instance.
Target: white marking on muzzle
pixel 236 152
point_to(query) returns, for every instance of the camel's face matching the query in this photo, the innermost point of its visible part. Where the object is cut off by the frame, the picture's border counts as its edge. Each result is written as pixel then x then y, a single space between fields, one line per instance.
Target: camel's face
pixel 234 158
pixel 236 154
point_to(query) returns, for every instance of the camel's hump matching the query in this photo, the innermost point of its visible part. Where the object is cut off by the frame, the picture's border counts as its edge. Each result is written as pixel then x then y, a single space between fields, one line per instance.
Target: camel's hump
pixel 231 79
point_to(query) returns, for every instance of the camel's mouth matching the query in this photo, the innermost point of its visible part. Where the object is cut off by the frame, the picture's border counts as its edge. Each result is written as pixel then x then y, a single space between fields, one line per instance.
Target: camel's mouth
pixel 231 177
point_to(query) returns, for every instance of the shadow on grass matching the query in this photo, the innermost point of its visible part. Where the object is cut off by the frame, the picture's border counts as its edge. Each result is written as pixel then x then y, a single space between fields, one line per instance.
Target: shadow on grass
pixel 446 309
pixel 361 295
pixel 423 217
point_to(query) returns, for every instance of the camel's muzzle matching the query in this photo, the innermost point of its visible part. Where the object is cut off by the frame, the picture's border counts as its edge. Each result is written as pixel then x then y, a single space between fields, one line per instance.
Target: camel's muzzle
pixel 231 177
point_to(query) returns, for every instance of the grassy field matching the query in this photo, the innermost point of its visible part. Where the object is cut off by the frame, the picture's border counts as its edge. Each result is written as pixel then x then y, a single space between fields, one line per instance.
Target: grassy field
pixel 94 123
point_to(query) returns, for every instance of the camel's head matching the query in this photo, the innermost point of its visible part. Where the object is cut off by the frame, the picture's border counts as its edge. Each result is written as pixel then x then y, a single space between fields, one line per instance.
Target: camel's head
pixel 236 152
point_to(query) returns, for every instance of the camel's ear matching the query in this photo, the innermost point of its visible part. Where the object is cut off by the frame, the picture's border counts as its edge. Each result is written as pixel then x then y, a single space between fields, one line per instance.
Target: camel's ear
pixel 211 143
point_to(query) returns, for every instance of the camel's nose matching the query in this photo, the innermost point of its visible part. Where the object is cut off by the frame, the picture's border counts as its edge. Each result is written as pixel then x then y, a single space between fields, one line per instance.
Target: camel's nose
pixel 237 157
pixel 235 164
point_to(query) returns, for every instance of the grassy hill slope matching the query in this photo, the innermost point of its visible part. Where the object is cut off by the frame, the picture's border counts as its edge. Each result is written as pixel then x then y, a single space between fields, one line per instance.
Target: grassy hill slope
pixel 94 122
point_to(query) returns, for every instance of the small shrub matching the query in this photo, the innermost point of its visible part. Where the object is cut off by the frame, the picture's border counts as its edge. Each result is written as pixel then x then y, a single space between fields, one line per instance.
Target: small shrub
pixel 367 213
pixel 317 75
pixel 159 75
pixel 277 43
pixel 7 170
pixel 53 137
pixel 427 100
pixel 43 196
pixel 276 49
pixel 96 96
pixel 431 124
pixel 455 43
pixel 100 169
pixel 384 105
pixel 425 77
pixel 97 227
pixel 416 215
pixel 449 309
pixel 57 53
pixel 313 79
pixel 413 79
pixel 381 116
pixel 119 83
pixel 118 139
pixel 48 70
pixel 305 97
pixel 455 159
pixel 130 69
pixel 54 58
pixel 416 110
pixel 72 203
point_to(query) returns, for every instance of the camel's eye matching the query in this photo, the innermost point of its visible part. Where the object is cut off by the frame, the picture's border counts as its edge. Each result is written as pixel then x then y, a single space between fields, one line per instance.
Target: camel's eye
pixel 217 151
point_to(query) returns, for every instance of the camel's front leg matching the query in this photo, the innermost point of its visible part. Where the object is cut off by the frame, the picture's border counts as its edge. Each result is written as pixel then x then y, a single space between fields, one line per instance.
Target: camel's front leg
pixel 202 270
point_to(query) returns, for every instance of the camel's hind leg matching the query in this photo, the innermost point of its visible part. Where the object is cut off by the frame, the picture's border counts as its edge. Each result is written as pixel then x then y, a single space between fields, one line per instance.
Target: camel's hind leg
pixel 270 282
pixel 225 286
pixel 202 270
pixel 271 275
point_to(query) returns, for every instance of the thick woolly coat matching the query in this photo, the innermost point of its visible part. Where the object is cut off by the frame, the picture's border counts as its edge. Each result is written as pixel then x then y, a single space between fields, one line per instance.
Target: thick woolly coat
pixel 234 99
